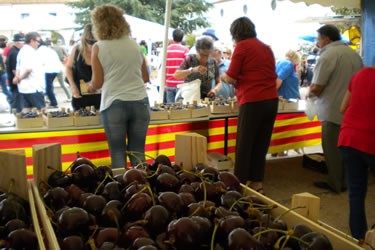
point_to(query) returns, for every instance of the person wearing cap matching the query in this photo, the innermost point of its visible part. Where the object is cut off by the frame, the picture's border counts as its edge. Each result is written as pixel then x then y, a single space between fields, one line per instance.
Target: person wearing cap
pixel 209 33
pixel 15 101
pixel 30 73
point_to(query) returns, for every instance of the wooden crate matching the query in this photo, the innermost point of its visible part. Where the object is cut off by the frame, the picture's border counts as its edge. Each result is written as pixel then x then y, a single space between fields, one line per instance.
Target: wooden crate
pixel 200 112
pixel 58 122
pixel 159 115
pixel 176 114
pixel 234 107
pixel 80 121
pixel 13 163
pixel 25 123
pixel 338 239
pixel 220 109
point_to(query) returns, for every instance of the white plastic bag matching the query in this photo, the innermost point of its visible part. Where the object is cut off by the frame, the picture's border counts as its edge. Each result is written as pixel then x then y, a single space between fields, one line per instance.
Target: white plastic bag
pixel 311 109
pixel 189 91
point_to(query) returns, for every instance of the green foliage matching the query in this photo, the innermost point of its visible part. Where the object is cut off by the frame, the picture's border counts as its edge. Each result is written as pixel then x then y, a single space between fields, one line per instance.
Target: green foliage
pixel 188 15
pixel 346 11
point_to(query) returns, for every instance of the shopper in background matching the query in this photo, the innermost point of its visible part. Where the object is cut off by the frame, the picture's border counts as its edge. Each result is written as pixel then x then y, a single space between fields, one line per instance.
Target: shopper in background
pixel 357 144
pixel 176 53
pixel 201 66
pixel 11 64
pixel 61 52
pixel 51 66
pixel 336 66
pixel 287 79
pixel 227 90
pixel 30 74
pixel 78 70
pixel 120 70
pixel 252 71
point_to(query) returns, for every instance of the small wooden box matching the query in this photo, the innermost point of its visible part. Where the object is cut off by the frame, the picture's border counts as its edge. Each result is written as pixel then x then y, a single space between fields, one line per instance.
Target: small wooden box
pixel 220 109
pixel 234 107
pixel 159 115
pixel 176 114
pixel 22 123
pixel 86 120
pixel 13 163
pixel 200 112
pixel 58 122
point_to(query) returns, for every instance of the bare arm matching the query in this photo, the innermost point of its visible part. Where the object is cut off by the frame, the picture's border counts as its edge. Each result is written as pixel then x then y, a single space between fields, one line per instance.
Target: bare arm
pixel 278 83
pixel 225 78
pixel 145 74
pixel 182 73
pixel 97 78
pixel 345 102
pixel 315 90
pixel 69 73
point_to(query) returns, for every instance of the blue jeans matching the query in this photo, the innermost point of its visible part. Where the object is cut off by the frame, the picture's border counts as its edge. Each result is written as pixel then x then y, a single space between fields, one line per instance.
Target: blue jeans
pixel 33 100
pixel 126 120
pixel 357 164
pixel 4 87
pixel 49 88
pixel 171 94
pixel 16 101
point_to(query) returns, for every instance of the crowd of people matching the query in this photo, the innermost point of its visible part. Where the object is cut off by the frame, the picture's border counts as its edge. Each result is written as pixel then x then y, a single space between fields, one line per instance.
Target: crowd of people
pixel 113 68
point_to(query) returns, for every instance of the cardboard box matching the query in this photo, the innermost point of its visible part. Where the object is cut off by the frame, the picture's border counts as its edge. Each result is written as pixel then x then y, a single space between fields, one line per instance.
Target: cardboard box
pixel 190 149
pixel 13 169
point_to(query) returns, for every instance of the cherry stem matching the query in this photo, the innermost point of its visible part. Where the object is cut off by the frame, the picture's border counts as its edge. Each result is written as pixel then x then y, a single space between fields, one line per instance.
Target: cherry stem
pixel 285 232
pixel 134 195
pixel 204 190
pixel 91 243
pixel 107 175
pixel 216 226
pixel 11 185
pixel 287 211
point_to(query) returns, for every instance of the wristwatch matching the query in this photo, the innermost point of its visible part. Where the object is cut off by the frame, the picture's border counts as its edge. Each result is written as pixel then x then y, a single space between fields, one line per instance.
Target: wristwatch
pixel 191 69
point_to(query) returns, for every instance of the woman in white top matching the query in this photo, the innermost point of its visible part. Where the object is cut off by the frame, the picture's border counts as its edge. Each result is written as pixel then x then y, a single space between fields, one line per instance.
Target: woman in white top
pixel 120 71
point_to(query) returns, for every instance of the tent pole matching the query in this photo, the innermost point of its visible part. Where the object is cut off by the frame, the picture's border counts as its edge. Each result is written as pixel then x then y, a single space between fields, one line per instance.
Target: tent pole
pixel 168 7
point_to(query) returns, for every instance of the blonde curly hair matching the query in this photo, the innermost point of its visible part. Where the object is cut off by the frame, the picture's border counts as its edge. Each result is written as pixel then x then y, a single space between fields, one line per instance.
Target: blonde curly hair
pixel 109 22
pixel 293 56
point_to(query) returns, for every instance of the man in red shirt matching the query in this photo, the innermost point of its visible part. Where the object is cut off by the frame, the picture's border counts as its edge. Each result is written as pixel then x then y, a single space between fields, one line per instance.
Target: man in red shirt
pixel 176 53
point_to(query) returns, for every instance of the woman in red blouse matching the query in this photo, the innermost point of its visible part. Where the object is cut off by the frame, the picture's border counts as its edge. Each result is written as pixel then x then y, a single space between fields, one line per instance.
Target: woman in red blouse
pixel 252 72
pixel 357 144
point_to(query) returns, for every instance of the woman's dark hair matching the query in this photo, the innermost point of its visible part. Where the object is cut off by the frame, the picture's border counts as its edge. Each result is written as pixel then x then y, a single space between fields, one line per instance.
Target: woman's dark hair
pixel 242 28
pixel 204 43
pixel 330 31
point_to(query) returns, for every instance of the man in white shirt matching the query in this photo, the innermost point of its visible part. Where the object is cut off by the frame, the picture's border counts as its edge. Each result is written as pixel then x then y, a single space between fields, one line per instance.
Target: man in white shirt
pixel 30 74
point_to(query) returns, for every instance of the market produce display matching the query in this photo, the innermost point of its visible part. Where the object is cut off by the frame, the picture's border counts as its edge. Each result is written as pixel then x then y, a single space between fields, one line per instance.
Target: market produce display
pixel 15 222
pixel 162 206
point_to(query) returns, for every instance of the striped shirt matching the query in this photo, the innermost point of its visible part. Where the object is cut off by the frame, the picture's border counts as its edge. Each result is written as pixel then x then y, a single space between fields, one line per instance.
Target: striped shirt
pixel 175 56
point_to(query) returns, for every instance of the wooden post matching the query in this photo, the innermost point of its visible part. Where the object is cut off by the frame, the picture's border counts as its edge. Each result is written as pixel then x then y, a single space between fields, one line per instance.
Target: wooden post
pixel 44 156
pixel 311 204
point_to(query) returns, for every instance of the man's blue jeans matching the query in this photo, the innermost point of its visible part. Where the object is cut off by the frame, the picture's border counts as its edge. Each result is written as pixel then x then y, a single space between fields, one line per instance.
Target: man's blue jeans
pixel 171 94
pixel 50 77
pixel 357 164
pixel 4 87
pixel 126 124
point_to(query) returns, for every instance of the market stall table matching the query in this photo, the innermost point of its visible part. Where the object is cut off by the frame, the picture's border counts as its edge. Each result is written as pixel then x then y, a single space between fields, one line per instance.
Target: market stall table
pixel 292 130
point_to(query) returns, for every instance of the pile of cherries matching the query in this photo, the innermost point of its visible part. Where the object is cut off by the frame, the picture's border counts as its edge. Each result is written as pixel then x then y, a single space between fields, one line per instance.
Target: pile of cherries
pixel 15 223
pixel 29 114
pixel 162 206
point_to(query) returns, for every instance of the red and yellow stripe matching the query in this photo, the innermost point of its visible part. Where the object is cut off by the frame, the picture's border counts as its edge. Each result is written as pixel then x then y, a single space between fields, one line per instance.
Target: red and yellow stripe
pixel 291 131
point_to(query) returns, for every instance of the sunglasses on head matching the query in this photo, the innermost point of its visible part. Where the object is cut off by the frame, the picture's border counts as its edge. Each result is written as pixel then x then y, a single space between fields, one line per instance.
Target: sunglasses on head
pixel 90 41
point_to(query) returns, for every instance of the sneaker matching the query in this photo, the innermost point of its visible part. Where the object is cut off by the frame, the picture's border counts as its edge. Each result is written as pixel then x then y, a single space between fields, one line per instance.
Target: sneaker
pixel 52 107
